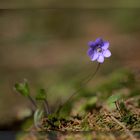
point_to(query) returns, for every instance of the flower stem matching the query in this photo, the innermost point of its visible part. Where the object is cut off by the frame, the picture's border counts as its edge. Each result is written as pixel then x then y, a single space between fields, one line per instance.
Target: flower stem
pixel 32 101
pixel 86 80
pixel 46 106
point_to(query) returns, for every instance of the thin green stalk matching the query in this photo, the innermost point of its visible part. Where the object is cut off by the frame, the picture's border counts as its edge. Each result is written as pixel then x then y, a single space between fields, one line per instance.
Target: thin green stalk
pixel 87 79
pixel 32 101
pixel 46 106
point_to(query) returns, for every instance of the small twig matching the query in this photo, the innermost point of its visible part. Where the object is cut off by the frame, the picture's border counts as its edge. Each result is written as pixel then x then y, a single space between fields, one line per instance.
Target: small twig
pixel 118 108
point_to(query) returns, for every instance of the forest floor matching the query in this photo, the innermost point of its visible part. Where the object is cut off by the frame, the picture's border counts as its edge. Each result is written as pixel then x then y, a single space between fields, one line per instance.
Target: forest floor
pixel 111 111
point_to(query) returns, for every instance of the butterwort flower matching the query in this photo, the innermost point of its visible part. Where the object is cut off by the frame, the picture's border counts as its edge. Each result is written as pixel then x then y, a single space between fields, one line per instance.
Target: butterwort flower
pixel 98 50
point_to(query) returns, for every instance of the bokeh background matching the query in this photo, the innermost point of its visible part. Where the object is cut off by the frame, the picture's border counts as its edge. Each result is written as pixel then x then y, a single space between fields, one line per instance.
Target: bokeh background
pixel 45 42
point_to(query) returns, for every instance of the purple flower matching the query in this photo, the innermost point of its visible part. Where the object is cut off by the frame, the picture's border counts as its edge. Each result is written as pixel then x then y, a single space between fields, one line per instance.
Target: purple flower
pixel 98 49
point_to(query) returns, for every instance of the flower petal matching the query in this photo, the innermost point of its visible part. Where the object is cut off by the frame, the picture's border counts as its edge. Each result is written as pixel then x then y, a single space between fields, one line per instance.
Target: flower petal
pixel 98 41
pixel 91 43
pixel 100 59
pixel 94 56
pixel 105 46
pixel 106 53
pixel 90 52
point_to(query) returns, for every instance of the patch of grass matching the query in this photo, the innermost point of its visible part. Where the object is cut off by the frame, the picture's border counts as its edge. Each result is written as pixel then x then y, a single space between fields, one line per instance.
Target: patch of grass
pixel 114 109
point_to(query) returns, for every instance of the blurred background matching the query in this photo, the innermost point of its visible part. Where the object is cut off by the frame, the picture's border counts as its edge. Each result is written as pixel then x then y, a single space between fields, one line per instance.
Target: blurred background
pixel 45 42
